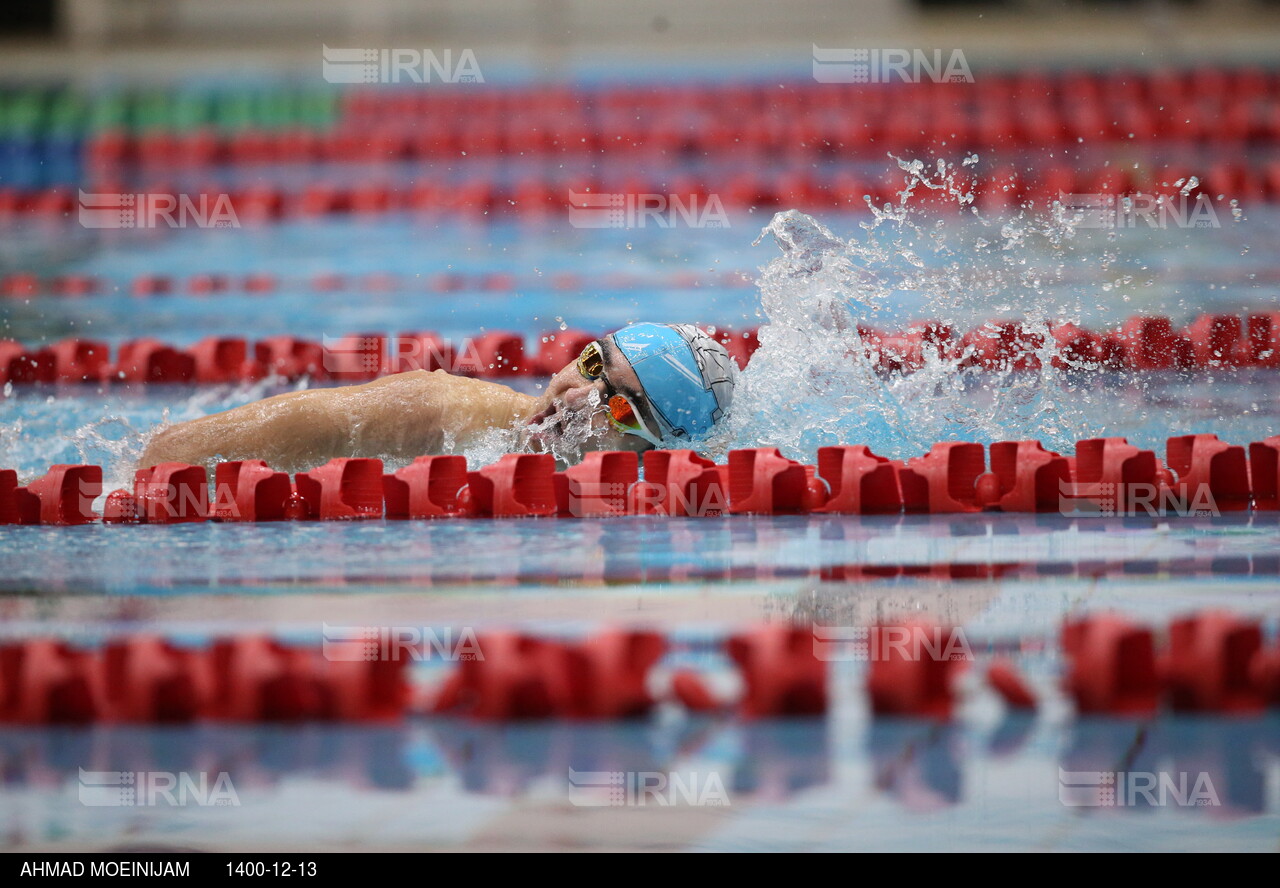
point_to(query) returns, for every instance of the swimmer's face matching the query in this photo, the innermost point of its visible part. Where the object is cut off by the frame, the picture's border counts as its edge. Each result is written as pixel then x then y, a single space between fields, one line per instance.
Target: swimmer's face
pixel 569 396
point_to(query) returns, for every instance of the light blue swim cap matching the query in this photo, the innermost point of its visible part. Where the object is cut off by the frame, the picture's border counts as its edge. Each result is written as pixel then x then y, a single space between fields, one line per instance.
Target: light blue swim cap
pixel 687 376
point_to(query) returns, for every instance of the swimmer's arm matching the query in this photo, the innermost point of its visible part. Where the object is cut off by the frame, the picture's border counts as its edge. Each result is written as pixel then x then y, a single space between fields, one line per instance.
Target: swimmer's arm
pixel 286 430
pixel 398 415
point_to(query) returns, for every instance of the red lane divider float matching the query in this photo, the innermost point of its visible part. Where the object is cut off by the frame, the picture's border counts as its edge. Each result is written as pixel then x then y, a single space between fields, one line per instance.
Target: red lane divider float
pixel 1211 662
pixel 1156 196
pixel 148 680
pixel 519 485
pixel 249 490
pixel 1214 662
pixel 1141 344
pixel 860 482
pixel 171 493
pixel 522 677
pixel 512 134
pixel 1016 109
pixel 680 483
pixel 1107 477
pixel 357 358
pixel 341 490
pixel 781 674
pixel 66 494
pixel 429 487
pixel 1113 668
pixel 904 679
pixel 598 486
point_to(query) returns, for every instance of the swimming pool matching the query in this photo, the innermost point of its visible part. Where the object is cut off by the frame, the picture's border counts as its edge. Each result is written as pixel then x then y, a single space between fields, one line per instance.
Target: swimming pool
pixel 987 779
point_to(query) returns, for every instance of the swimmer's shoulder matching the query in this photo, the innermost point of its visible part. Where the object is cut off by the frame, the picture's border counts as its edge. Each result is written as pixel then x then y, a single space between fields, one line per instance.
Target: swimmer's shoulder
pixel 425 378
pixel 488 402
pixel 438 383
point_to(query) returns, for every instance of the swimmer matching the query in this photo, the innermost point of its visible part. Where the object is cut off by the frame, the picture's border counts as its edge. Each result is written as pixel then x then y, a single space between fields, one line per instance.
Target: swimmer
pixel 645 386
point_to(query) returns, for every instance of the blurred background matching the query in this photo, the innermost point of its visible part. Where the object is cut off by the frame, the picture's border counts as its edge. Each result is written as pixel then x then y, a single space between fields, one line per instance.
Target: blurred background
pixel 548 33
pixel 496 113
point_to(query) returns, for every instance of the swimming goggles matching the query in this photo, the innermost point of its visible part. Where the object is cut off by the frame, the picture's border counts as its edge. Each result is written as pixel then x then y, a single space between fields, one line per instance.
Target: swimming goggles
pixel 623 414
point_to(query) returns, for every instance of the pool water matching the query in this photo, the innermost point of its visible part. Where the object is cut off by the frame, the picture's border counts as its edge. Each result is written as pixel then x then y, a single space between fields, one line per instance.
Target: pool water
pixel 399 274
pixel 847 783
pixel 986 780
pixel 540 271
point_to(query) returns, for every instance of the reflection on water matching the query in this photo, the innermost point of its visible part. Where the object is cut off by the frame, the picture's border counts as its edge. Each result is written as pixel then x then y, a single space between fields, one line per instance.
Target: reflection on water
pixel 1160 763
pixel 919 765
pixel 831 548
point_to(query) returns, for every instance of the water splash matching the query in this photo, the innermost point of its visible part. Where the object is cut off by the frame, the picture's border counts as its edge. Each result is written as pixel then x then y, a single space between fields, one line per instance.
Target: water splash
pixel 39 429
pixel 566 435
pixel 113 443
pixel 814 382
pixel 938 252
